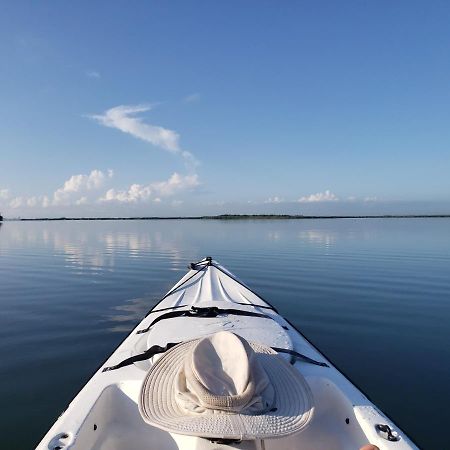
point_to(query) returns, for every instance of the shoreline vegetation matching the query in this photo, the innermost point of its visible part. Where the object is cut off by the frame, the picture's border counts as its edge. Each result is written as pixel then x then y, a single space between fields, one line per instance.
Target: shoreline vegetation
pixel 240 217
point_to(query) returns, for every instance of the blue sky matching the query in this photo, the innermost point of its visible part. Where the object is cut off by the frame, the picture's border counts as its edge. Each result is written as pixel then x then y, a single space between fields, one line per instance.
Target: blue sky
pixel 178 108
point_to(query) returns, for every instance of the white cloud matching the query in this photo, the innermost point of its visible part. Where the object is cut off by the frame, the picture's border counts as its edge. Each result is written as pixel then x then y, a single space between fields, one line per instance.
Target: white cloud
pixel 135 193
pixel 92 74
pixel 175 184
pixel 32 201
pixel 370 199
pixel 274 200
pixel 16 202
pixel 326 196
pixel 81 201
pixel 195 97
pixel 85 189
pixel 140 193
pixel 4 194
pixel 81 183
pixel 124 118
pixel 121 118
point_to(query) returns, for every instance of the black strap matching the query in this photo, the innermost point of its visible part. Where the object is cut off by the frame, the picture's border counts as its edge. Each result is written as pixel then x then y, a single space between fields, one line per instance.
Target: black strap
pixel 213 311
pixel 254 305
pixel 154 311
pixel 152 351
pixel 155 349
pixel 299 356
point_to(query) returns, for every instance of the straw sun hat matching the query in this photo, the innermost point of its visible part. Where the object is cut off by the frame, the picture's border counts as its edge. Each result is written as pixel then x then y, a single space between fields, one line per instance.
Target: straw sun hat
pixel 222 386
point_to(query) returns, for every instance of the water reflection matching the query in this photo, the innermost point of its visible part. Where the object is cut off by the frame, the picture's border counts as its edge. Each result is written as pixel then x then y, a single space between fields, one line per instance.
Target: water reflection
pixel 274 235
pixel 127 314
pixel 318 237
pixel 91 246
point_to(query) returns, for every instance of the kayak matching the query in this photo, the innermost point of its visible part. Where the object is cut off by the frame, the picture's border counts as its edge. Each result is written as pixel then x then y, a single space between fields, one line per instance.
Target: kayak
pixel 209 299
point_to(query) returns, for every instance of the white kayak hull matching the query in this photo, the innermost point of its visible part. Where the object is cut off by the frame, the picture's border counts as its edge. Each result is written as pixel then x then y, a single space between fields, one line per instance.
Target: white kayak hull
pixel 105 414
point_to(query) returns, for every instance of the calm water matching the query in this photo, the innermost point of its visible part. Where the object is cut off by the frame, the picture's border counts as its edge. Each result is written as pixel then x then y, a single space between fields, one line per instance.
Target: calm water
pixel 373 295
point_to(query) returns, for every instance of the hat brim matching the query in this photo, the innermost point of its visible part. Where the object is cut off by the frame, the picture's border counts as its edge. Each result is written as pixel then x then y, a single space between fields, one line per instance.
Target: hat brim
pixel 293 401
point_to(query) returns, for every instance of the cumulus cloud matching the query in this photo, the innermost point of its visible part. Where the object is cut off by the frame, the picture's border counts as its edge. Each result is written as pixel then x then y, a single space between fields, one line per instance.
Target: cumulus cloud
pixel 90 189
pixel 81 201
pixel 326 196
pixel 32 201
pixel 16 202
pixel 175 184
pixel 36 201
pixel 78 184
pixel 152 192
pixel 274 200
pixel 135 193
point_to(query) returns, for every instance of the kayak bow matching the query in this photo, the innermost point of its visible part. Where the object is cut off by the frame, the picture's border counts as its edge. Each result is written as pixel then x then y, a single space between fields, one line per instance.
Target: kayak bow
pixel 105 413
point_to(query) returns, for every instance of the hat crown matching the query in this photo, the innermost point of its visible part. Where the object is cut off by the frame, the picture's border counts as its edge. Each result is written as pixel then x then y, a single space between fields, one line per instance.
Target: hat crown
pixel 222 364
pixel 220 373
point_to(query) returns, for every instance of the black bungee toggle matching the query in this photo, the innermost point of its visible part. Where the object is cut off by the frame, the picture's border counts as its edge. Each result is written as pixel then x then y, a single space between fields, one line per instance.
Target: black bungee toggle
pixel 201 264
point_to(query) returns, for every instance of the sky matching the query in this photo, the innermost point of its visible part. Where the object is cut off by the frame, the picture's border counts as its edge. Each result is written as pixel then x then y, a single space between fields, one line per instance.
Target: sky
pixel 173 108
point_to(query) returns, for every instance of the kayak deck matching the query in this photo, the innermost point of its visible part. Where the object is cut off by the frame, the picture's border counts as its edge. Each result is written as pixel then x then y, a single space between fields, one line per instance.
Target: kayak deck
pixel 105 414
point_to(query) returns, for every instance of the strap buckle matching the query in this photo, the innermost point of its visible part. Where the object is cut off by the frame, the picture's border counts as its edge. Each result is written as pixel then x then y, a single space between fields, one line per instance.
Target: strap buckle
pixel 197 311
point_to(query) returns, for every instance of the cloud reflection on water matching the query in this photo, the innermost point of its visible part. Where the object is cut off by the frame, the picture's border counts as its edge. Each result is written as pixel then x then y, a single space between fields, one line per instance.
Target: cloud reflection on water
pixel 125 315
pixel 92 247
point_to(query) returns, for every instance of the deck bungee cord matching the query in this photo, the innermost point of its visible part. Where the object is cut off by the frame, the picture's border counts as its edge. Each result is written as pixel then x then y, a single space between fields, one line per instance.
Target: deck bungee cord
pixel 296 355
pixel 152 351
pixel 208 312
pixel 157 349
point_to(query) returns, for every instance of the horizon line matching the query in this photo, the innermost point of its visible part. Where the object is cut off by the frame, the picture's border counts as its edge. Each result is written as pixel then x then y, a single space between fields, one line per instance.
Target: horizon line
pixel 233 217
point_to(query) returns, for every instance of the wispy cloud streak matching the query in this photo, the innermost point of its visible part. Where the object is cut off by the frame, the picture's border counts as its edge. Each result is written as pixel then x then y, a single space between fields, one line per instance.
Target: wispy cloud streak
pixel 92 74
pixel 124 118
pixel 191 98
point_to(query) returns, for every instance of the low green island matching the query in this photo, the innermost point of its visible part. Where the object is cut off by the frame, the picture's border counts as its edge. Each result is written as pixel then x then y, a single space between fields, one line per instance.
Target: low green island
pixel 243 217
